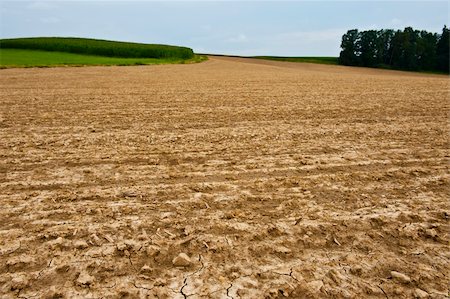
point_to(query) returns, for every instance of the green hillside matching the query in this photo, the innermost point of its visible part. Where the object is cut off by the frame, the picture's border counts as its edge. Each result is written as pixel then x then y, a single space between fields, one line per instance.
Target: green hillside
pixel 10 58
pixel 97 47
pixel 59 51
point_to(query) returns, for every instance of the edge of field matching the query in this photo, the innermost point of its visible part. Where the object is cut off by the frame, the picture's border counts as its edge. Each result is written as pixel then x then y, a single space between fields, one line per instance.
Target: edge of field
pixel 21 58
pixel 335 61
pixel 304 59
pixel 325 60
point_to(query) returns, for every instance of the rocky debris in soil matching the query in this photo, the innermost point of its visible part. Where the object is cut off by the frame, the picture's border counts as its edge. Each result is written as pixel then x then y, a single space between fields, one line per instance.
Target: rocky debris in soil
pixel 85 280
pixel 153 250
pixel 59 243
pixel 420 294
pixel 129 194
pixel 315 286
pixel 403 278
pixel 20 261
pixel 95 240
pixel 146 269
pixel 121 246
pixel 108 238
pixel 53 293
pixel 19 282
pixel 80 244
pixel 182 260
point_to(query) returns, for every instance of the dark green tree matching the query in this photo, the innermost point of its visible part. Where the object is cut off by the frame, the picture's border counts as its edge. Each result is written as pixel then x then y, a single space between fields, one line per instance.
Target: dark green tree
pixel 410 37
pixel 442 51
pixel 408 49
pixel 368 48
pixel 426 50
pixel 349 46
pixel 396 48
pixel 384 41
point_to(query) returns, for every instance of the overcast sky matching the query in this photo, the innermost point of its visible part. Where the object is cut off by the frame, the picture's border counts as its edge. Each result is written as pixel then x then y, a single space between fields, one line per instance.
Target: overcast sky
pixel 292 28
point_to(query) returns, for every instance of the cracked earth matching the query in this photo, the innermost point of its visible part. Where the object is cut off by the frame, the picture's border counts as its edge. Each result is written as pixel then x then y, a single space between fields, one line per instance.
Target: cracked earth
pixel 231 178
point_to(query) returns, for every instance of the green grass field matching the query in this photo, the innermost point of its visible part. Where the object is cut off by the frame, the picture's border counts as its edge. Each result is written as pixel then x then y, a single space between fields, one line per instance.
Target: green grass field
pixel 321 60
pixel 97 47
pixel 60 51
pixel 10 58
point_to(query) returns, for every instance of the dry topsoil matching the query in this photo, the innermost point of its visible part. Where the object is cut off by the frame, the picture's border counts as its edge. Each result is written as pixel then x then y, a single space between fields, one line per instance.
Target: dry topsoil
pixel 233 178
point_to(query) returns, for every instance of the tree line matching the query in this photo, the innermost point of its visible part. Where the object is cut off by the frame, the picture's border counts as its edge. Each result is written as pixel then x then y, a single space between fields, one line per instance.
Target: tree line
pixel 406 49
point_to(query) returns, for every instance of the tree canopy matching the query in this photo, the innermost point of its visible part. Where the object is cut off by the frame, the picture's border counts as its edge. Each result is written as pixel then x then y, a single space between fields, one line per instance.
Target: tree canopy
pixel 406 49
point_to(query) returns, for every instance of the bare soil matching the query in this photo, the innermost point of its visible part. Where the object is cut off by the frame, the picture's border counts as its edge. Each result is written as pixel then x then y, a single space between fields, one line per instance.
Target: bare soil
pixel 232 178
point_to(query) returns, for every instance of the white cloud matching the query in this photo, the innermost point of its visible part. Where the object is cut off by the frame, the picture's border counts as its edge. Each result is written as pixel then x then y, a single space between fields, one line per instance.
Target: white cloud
pixel 50 20
pixel 396 22
pixel 312 36
pixel 207 28
pixel 301 43
pixel 200 49
pixel 41 5
pixel 237 39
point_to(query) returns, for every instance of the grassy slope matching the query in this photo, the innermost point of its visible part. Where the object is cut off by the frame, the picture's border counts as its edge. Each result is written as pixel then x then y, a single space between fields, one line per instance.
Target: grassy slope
pixel 97 47
pixel 34 58
pixel 321 60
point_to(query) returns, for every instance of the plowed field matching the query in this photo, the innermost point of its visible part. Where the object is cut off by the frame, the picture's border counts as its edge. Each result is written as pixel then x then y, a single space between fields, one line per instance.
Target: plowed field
pixel 231 178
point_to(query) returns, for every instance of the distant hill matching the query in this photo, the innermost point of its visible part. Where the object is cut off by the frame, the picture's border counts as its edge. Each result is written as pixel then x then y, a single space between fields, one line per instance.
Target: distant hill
pixel 98 47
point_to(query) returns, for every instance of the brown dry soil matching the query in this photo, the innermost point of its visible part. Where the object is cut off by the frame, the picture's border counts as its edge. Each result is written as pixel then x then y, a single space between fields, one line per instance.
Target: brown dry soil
pixel 275 179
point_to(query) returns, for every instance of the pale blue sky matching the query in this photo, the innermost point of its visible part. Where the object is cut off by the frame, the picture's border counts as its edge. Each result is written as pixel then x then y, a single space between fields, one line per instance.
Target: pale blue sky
pixel 285 28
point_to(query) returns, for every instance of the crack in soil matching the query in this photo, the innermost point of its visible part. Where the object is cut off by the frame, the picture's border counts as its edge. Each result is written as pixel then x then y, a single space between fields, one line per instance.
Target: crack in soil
pixel 49 263
pixel 184 285
pixel 48 266
pixel 142 287
pixel 233 280
pixel 198 270
pixel 287 274
pixel 383 291
pixel 228 291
